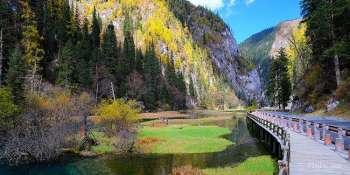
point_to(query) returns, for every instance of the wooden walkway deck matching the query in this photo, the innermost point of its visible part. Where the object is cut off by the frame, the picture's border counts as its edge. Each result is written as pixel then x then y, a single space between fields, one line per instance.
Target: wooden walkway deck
pixel 312 158
pixel 306 155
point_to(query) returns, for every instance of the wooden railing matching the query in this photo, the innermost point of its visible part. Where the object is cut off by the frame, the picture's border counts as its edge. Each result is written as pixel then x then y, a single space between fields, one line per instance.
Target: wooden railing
pixel 281 136
pixel 301 123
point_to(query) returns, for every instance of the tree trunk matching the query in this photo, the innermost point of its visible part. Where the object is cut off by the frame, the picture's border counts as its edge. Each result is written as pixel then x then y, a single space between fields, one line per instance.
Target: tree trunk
pixel 337 69
pixel 1 57
pixel 336 57
pixel 96 79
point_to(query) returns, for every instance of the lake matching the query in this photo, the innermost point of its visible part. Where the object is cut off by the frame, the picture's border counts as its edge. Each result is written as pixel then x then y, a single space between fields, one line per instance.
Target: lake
pixel 152 164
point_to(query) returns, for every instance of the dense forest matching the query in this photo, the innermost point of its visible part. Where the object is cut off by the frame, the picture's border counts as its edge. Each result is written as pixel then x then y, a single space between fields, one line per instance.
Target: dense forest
pixel 328 36
pixel 61 58
pixel 48 41
pixel 317 52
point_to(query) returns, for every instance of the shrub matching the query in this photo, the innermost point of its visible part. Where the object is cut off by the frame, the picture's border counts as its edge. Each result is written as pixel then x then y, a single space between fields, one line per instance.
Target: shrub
pixel 7 108
pixel 343 92
pixel 117 116
pixel 46 126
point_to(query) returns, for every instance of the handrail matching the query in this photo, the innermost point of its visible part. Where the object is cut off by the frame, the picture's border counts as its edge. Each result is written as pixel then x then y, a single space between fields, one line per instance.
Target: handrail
pixel 341 131
pixel 282 136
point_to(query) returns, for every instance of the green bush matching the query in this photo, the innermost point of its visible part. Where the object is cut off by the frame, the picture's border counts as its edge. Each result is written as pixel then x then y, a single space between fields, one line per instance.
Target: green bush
pixel 7 107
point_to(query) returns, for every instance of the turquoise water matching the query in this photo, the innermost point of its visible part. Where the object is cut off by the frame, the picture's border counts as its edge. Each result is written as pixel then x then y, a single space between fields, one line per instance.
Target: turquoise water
pixel 150 164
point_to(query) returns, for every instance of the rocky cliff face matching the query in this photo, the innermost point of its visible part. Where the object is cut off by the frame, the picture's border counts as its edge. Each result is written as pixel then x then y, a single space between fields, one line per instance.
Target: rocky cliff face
pixel 198 41
pixel 282 35
pixel 213 34
pixel 262 47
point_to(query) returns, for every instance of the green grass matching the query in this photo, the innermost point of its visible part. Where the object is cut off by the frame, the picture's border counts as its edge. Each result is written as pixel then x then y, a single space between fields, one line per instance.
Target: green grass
pixel 263 165
pixel 105 143
pixel 186 139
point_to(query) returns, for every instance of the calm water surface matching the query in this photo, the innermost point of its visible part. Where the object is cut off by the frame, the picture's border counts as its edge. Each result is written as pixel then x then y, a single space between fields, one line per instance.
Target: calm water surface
pixel 244 147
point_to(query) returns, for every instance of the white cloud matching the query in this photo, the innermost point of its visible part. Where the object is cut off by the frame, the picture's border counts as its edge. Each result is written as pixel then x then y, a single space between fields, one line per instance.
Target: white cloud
pixel 215 4
pixel 212 4
pixel 231 3
pixel 248 2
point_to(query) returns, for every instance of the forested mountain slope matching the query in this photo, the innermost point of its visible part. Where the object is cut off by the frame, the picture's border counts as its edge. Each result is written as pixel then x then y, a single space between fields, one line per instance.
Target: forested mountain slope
pixel 166 53
pixel 197 40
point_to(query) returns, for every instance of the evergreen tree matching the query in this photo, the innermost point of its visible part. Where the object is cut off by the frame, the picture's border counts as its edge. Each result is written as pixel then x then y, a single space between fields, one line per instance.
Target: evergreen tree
pixel 279 87
pixel 129 53
pixel 85 66
pixel 285 89
pixel 8 35
pixel 152 74
pixel 328 29
pixel 96 29
pixel 176 86
pixel 33 53
pixel 139 61
pixel 66 65
pixel 16 75
pixel 110 50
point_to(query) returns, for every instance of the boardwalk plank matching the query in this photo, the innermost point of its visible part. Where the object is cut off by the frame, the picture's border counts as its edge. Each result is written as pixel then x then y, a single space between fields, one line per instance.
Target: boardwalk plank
pixel 311 158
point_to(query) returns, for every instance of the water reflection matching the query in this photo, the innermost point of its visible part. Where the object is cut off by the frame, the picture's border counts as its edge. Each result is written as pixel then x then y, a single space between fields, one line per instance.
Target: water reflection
pixel 152 164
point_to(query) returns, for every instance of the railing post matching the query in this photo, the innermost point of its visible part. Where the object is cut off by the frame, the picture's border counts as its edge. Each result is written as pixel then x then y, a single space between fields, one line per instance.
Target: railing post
pixel 308 129
pixel 301 129
pixel 317 131
pixel 339 142
pixel 324 131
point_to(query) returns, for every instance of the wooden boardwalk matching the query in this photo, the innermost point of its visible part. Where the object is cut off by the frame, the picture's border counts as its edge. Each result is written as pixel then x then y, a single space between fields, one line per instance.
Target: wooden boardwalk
pixel 303 154
pixel 309 157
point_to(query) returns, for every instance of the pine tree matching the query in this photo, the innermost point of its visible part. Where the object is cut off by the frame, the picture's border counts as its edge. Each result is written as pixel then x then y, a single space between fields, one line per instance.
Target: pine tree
pixel 152 78
pixel 75 22
pixel 285 84
pixel 129 53
pixel 33 53
pixel 328 30
pixel 66 65
pixel 96 29
pixel 85 67
pixel 279 87
pixel 8 35
pixel 16 75
pixel 110 50
pixel 139 61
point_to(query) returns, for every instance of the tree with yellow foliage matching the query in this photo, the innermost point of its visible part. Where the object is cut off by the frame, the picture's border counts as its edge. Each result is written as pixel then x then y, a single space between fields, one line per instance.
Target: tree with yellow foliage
pixel 117 116
pixel 299 53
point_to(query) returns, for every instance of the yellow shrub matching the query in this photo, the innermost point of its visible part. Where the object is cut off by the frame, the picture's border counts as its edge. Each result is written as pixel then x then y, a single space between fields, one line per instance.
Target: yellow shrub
pixel 117 115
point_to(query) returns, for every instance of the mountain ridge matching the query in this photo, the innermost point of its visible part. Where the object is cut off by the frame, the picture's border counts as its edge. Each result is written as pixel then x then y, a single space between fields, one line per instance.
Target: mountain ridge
pixel 261 47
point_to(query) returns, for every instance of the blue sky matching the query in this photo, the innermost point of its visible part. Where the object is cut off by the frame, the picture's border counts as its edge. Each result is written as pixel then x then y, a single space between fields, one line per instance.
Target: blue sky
pixel 246 17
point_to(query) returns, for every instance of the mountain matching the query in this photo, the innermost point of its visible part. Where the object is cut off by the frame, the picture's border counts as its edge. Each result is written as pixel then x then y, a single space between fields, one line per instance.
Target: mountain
pixel 199 43
pixel 262 47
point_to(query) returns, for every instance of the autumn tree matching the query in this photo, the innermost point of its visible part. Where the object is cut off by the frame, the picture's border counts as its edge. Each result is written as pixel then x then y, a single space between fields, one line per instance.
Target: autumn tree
pixel 116 116
pixel 299 53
